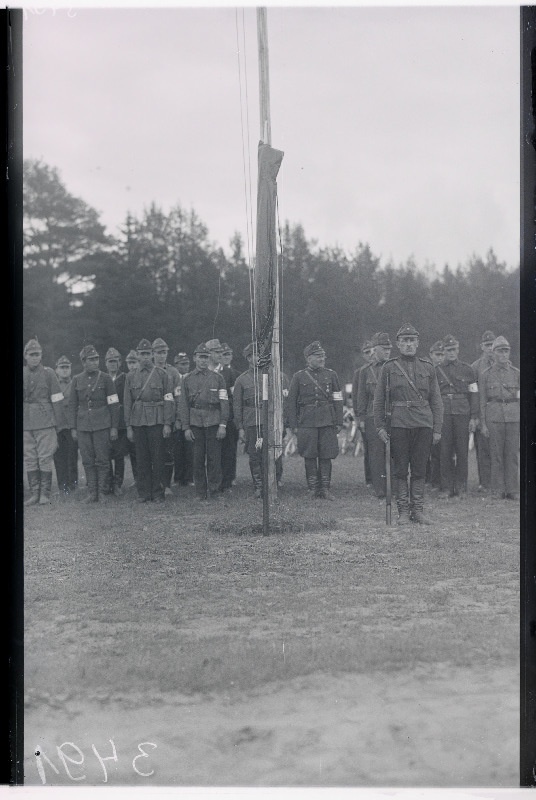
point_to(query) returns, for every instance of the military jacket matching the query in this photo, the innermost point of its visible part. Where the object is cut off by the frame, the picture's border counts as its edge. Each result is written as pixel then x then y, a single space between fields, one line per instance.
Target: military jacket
pixel 459 388
pixel 418 407
pixel 176 383
pixel 482 363
pixel 363 399
pixel 499 393
pixel 315 399
pixel 119 384
pixel 42 398
pixel 229 375
pixel 62 416
pixel 93 403
pixel 246 399
pixel 204 400
pixel 148 398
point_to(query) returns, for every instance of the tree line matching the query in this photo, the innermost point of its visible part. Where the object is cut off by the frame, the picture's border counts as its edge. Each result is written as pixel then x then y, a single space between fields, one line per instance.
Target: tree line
pixel 163 276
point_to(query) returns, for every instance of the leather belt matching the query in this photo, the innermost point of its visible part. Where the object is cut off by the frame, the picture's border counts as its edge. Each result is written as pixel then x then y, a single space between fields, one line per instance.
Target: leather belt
pixel 455 396
pixel 408 403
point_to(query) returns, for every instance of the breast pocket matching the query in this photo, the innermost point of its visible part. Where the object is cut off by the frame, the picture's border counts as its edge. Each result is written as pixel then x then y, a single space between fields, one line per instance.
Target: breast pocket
pixel 213 398
pixel 249 394
pixel 156 393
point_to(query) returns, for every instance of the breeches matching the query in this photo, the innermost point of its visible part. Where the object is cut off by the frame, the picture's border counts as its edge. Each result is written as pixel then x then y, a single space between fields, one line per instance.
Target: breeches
pixel 39 448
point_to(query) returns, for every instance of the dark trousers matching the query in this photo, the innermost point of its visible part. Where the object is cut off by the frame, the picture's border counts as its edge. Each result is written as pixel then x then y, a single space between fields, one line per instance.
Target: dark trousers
pixel 454 445
pixel 228 456
pixel 366 463
pixel 483 457
pixel 95 448
pixel 410 448
pixel 66 461
pixel 207 460
pixel 255 457
pixel 504 448
pixel 149 461
pixel 376 457
pixel 118 450
pixel 433 467
pixel 183 457
pixel 132 454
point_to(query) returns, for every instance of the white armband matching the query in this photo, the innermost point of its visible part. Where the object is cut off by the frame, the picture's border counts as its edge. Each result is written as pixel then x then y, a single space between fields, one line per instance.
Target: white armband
pixel 55 398
pixel 177 391
pixel 112 398
pixel 222 394
pixel 473 387
pixel 337 396
pixel 285 392
pixel 168 396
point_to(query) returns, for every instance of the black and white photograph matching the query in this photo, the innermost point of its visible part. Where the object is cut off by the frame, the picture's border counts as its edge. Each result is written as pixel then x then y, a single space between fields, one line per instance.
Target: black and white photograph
pixel 271 396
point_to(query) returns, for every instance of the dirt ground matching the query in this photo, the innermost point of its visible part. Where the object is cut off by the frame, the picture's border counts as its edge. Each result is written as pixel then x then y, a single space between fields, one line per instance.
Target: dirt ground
pixel 344 654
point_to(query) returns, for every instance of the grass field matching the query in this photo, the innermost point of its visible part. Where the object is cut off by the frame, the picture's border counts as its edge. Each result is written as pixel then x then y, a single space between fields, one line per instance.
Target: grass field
pixel 345 653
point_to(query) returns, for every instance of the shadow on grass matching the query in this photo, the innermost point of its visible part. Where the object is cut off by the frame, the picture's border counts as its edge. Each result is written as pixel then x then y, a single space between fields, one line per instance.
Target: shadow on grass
pixel 282 521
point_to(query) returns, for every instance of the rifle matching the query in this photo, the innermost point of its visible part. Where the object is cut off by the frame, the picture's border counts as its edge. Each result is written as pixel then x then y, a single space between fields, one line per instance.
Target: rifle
pixel 388 451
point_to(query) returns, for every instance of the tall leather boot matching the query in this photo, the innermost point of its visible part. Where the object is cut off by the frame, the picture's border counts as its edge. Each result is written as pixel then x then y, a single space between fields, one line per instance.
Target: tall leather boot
pixel 167 475
pixel 417 502
pixel 92 485
pixel 119 476
pixel 34 481
pixel 324 467
pixel 402 501
pixel 104 480
pixel 256 474
pixel 46 483
pixel 311 470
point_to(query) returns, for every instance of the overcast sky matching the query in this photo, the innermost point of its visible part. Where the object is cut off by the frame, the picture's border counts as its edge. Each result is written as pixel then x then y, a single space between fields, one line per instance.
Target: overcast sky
pixel 400 126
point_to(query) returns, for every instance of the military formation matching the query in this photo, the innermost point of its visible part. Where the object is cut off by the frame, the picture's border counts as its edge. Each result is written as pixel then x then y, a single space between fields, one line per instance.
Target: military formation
pixel 182 425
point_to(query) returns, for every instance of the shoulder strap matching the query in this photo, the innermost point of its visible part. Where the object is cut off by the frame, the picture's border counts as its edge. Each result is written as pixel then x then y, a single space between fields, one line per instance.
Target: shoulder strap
pixel 447 380
pixel 405 374
pixel 145 384
pixel 96 383
pixel 326 395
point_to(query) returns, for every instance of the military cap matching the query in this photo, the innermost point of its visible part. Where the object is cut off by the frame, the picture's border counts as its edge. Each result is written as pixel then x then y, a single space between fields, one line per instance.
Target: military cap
pixel 213 344
pixel 438 347
pixel 88 352
pixel 159 344
pixel 313 349
pixel 249 349
pixel 202 350
pixel 63 361
pixel 112 355
pixel 488 336
pixel 501 343
pixel 407 330
pixel 366 346
pixel 225 348
pixel 144 346
pixel 33 346
pixel 449 341
pixel 381 339
pixel 181 357
pixel 132 356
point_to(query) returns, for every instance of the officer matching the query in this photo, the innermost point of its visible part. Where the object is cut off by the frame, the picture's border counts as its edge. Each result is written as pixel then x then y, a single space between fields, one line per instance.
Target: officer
pixel 161 350
pixel 120 448
pixel 204 413
pixel 364 410
pixel 229 445
pixel 483 456
pixel 93 418
pixel 41 415
pixel 315 410
pixel 416 417
pixel 459 393
pixel 149 412
pixel 433 467
pixel 132 363
pixel 499 413
pixel 66 456
pixel 367 350
pixel 183 451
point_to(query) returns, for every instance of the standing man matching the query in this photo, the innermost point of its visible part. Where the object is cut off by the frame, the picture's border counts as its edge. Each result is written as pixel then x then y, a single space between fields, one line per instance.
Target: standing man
pixel 149 411
pixel 364 411
pixel 483 455
pixel 367 351
pixel 499 413
pixel 416 417
pixel 459 393
pixel 183 451
pixel 214 354
pixel 41 414
pixel 433 468
pixel 230 443
pixel 66 456
pixel 132 363
pixel 93 418
pixel 204 414
pixel 315 409
pixel 161 350
pixel 119 449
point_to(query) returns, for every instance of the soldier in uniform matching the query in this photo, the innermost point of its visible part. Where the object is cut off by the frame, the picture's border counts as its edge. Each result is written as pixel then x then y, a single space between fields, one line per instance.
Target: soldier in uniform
pixel 483 455
pixel 230 443
pixel 204 413
pixel 183 451
pixel 120 448
pixel 416 418
pixel 433 468
pixel 499 413
pixel 132 363
pixel 161 350
pixel 66 456
pixel 41 415
pixel 364 410
pixel 315 410
pixel 367 351
pixel 149 413
pixel 93 418
pixel 459 393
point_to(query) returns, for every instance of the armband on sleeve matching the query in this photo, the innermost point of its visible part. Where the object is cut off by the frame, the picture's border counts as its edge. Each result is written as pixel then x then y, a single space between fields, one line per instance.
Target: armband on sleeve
pixel 55 398
pixel 168 396
pixel 112 398
pixel 222 394
pixel 473 387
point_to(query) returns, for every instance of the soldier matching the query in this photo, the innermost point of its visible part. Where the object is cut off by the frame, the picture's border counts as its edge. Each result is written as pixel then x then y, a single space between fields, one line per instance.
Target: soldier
pixel 204 413
pixel 132 363
pixel 416 417
pixel 41 414
pixel 230 443
pixel 499 413
pixel 315 410
pixel 149 412
pixel 66 456
pixel 214 354
pixel 364 410
pixel 93 418
pixel 120 448
pixel 367 351
pixel 433 468
pixel 483 455
pixel 183 451
pixel 161 350
pixel 459 393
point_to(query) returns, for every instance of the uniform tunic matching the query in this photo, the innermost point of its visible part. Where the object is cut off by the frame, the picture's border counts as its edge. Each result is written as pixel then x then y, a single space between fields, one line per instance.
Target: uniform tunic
pixel 42 411
pixel 500 410
pixel 364 410
pixel 483 454
pixel 459 392
pixel 315 407
pixel 93 410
